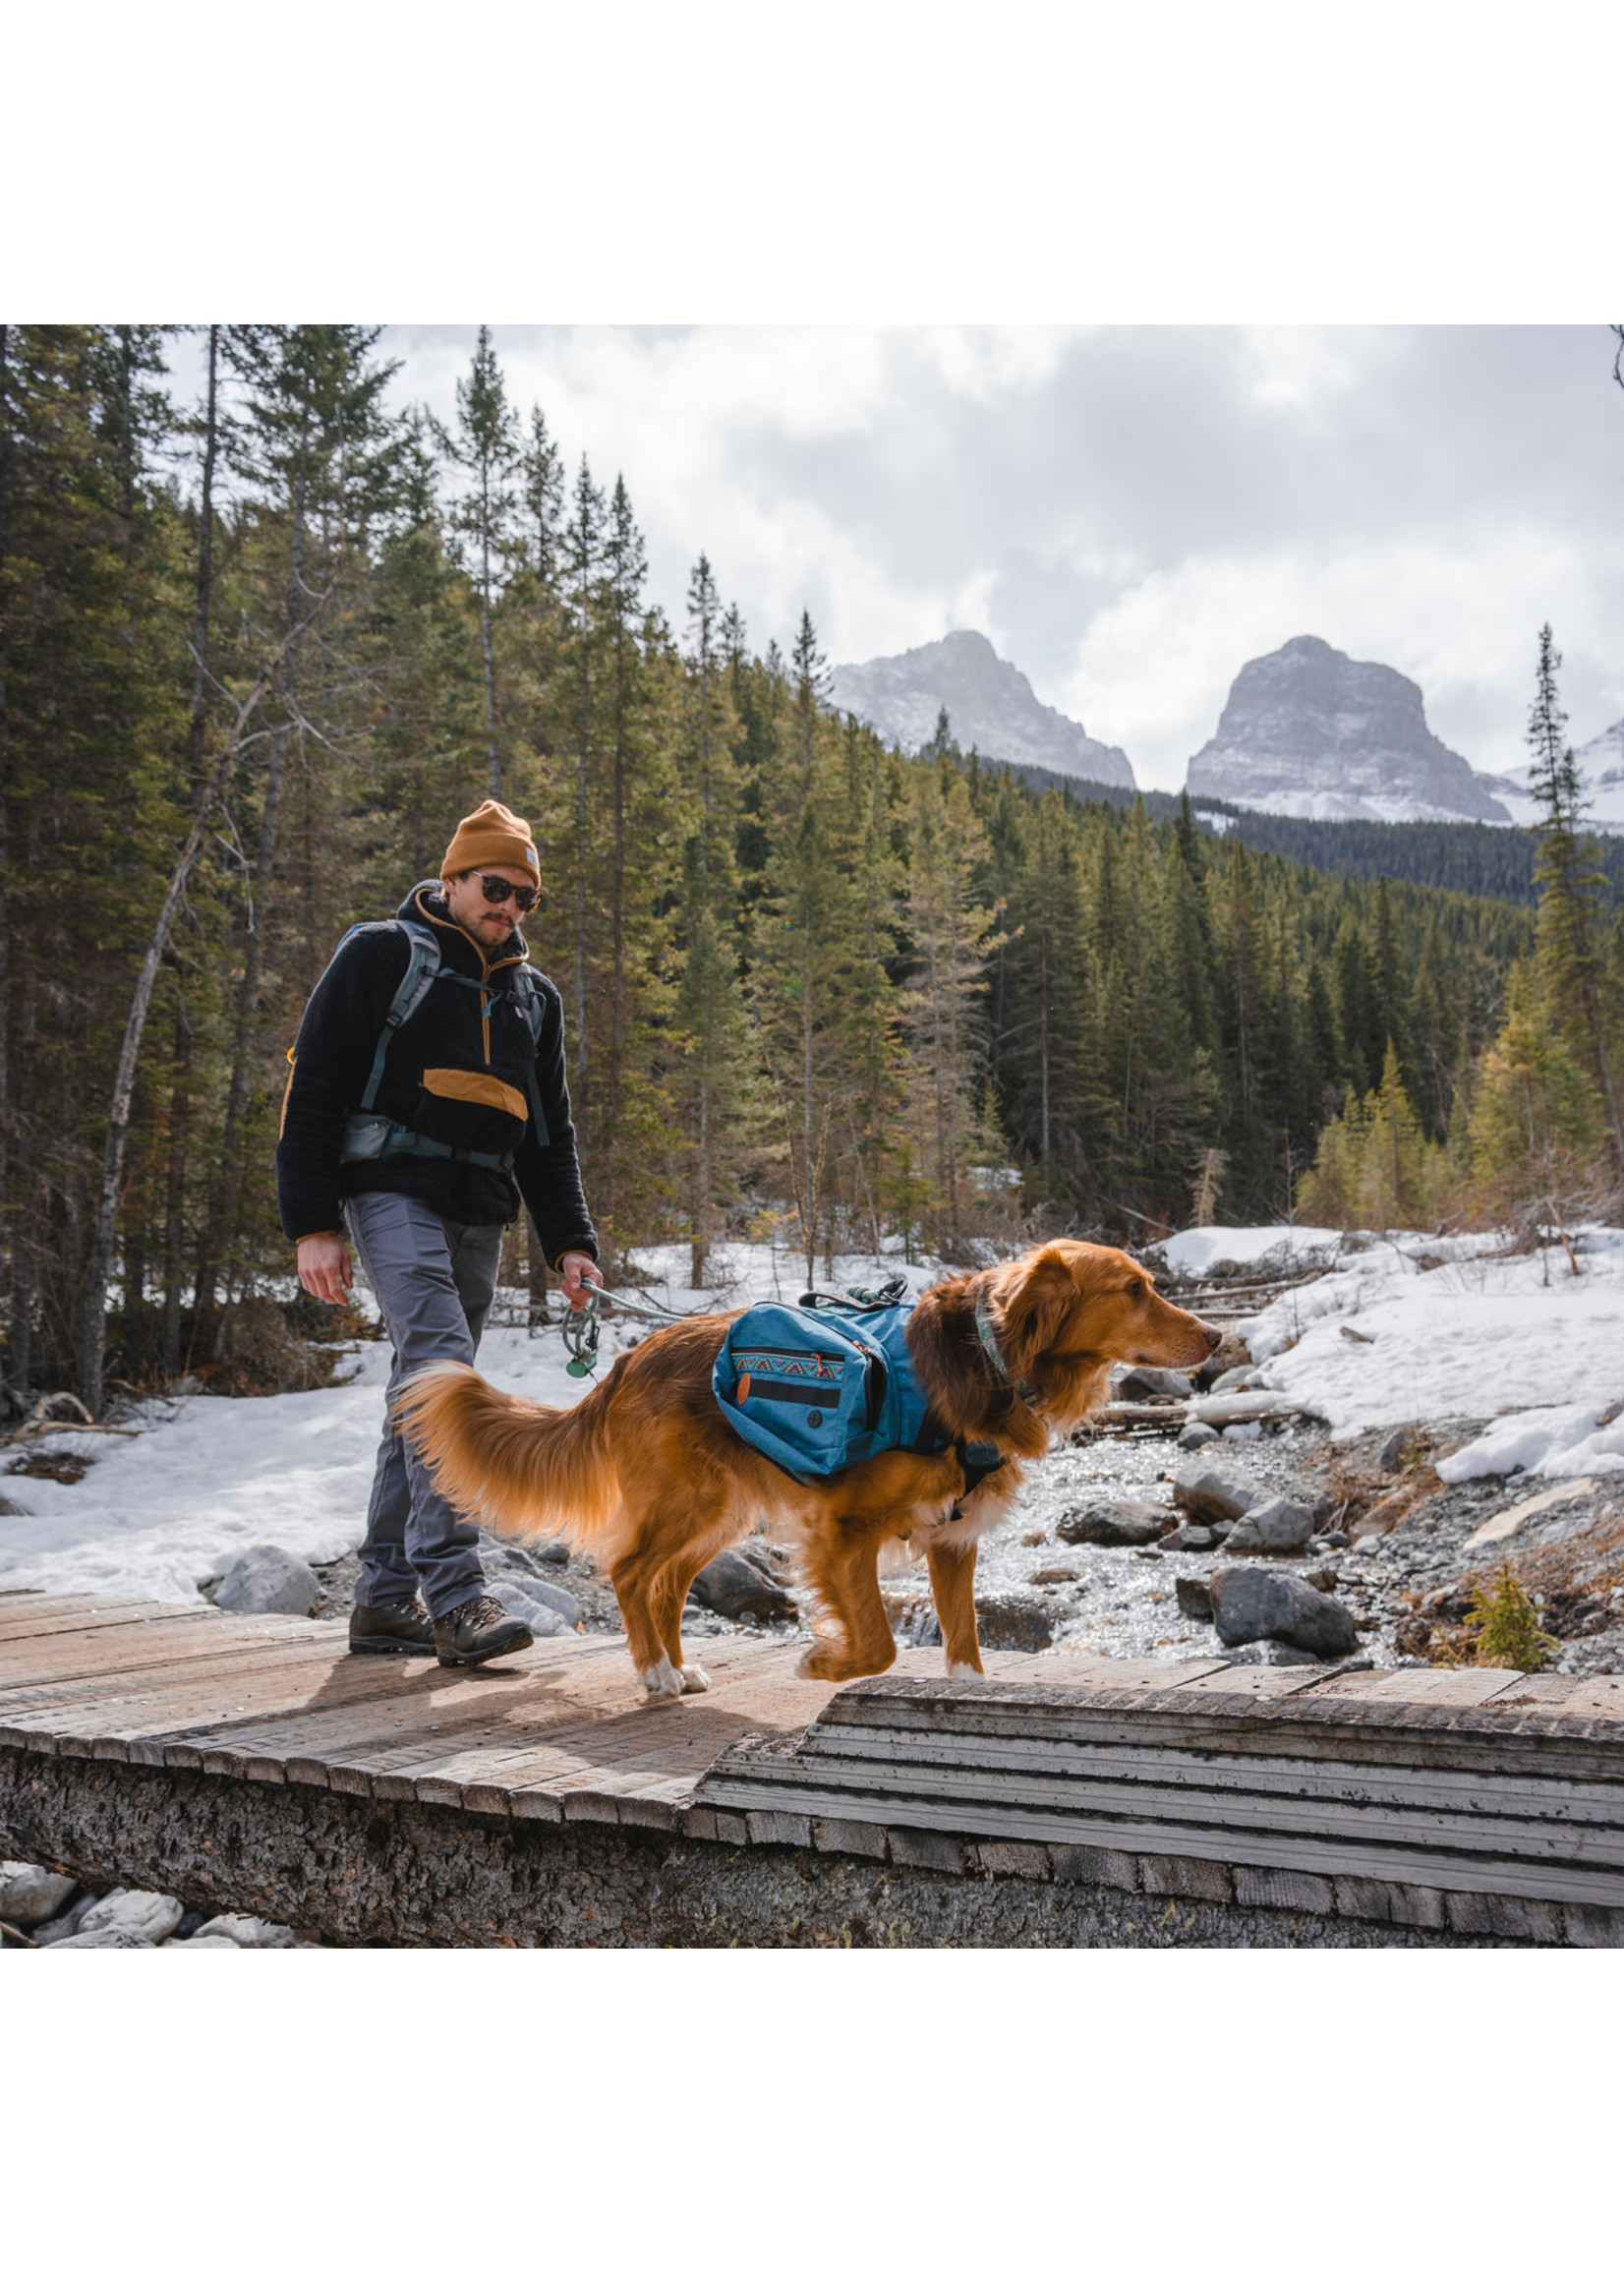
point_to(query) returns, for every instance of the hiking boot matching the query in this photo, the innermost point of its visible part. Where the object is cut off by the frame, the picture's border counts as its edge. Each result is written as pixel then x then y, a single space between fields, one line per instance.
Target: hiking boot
pixel 392 1627
pixel 479 1630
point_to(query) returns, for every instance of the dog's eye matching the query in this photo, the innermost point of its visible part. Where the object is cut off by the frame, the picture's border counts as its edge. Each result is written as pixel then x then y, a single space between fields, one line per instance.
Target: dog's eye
pixel 1136 1291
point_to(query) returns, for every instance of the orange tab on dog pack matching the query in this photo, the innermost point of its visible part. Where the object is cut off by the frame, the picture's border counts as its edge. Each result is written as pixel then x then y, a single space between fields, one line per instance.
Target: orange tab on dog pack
pixel 743 1388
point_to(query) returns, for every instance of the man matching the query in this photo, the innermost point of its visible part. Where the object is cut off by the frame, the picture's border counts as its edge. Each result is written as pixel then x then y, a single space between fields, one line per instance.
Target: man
pixel 416 1105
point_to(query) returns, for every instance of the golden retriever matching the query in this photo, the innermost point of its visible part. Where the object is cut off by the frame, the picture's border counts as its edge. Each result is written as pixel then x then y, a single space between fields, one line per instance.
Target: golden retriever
pixel 649 1471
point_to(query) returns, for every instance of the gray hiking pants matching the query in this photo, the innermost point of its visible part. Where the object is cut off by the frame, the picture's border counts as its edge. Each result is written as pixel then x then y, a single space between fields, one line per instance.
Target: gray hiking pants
pixel 434 1282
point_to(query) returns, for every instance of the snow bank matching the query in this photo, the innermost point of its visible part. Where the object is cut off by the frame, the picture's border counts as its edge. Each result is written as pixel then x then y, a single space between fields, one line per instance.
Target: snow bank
pixel 1573 1441
pixel 211 1475
pixel 1193 1253
pixel 1415 1330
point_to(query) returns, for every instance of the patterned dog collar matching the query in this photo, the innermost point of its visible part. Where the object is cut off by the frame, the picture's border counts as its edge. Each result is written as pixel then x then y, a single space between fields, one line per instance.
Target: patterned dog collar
pixel 989 1343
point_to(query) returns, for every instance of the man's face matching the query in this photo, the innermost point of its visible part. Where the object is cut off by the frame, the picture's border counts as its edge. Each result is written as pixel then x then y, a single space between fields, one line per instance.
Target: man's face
pixel 489 926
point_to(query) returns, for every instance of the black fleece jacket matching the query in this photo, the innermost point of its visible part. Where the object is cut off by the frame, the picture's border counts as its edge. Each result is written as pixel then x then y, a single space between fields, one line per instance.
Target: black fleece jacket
pixel 451 1072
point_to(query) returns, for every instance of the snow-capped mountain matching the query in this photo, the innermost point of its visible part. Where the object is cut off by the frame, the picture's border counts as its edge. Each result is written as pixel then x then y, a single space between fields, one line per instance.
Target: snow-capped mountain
pixel 1600 763
pixel 989 702
pixel 1308 731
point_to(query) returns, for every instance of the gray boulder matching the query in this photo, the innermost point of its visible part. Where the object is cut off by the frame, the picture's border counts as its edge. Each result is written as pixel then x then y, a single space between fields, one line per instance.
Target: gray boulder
pixel 555 1551
pixel 1277 1527
pixel 737 1586
pixel 104 1939
pixel 1393 1448
pixel 248 1934
pixel 1209 1489
pixel 1153 1381
pixel 30 1895
pixel 1114 1523
pixel 1233 1378
pixel 1194 1435
pixel 134 1911
pixel 1014 1622
pixel 268 1579
pixel 1252 1603
pixel 1194 1598
pixel 541 1617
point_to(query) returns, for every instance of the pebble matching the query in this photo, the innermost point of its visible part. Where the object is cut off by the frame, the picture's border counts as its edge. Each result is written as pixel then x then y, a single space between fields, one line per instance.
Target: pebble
pixel 104 1939
pixel 243 1933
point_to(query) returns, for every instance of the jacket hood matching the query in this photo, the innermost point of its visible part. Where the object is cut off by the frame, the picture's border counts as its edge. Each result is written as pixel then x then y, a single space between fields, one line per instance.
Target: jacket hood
pixel 426 900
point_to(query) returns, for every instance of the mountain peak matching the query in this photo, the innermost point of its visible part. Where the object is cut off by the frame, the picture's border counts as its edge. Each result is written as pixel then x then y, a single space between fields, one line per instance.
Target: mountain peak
pixel 988 700
pixel 1309 730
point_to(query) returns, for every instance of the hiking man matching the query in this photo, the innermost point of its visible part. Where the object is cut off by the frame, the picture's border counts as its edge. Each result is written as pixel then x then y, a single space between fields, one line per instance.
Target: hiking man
pixel 427 1096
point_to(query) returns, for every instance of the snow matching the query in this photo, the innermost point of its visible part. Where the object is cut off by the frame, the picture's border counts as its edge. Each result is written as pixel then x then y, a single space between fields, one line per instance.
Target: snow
pixel 1193 1253
pixel 208 1477
pixel 1573 1441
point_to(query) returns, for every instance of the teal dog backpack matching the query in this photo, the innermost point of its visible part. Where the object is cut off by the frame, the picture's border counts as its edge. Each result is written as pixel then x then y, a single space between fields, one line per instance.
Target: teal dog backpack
pixel 821 1385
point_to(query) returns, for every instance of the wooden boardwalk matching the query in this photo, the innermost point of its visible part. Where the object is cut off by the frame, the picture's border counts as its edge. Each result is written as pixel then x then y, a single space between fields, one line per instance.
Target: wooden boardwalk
pixel 1410 1797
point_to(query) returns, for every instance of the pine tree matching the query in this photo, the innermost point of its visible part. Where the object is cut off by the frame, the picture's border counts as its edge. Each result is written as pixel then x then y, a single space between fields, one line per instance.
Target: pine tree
pixel 1568 871
pixel 485 445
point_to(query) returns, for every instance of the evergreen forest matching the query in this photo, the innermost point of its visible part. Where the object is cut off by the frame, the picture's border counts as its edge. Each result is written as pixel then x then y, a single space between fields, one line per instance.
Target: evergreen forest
pixel 257 656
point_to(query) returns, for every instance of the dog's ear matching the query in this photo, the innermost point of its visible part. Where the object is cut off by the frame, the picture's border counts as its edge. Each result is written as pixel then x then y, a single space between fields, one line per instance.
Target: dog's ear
pixel 1034 1303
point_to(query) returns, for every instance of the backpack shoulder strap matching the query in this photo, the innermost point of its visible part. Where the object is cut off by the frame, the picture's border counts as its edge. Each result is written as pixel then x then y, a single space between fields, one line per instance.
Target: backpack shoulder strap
pixel 422 966
pixel 528 995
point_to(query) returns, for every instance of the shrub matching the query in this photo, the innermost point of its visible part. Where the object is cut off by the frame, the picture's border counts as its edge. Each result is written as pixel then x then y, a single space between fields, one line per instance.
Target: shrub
pixel 1509 1633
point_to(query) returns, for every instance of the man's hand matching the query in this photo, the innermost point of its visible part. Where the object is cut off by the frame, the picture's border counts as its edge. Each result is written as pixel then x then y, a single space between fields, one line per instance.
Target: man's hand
pixel 324 1267
pixel 578 1272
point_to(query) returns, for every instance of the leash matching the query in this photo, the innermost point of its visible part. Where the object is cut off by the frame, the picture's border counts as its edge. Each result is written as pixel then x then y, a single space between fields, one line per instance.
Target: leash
pixel 989 1342
pixel 581 1328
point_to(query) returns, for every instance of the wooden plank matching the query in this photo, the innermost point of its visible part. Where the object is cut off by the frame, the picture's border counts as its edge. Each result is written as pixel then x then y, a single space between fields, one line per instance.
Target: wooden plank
pixel 1360 1859
pixel 1185 1803
pixel 105 1725
pixel 52 1620
pixel 132 1649
pixel 1562 1800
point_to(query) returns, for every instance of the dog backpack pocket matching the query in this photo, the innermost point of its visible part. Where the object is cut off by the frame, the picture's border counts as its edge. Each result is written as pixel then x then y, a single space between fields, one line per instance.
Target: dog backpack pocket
pixel 807 1388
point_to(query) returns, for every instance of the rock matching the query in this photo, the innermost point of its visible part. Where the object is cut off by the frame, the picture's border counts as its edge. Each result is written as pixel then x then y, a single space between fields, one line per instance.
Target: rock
pixel 555 1551
pixel 1324 1577
pixel 1215 1489
pixel 10 1507
pixel 1195 1435
pixel 103 1939
pixel 1056 1575
pixel 737 1586
pixel 554 1599
pixel 248 1934
pixel 267 1579
pixel 1333 1538
pixel 1140 1382
pixel 134 1911
pixel 1234 1377
pixel 1277 1527
pixel 540 1618
pixel 1252 1603
pixel 30 1895
pixel 1194 1598
pixel 1191 1538
pixel 1231 1357
pixel 186 1386
pixel 199 1941
pixel 1011 1622
pixel 58 1929
pixel 1114 1523
pixel 1393 1448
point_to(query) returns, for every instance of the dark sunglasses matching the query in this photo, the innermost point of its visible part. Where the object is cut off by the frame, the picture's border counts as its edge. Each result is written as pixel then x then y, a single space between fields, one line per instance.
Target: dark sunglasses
pixel 497 889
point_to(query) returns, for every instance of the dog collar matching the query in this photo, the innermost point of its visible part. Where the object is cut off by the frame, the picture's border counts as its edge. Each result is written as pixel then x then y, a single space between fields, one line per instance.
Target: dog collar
pixel 989 1343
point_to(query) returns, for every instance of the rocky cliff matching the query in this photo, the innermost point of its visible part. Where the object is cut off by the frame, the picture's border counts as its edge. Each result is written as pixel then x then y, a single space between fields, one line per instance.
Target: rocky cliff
pixel 989 702
pixel 1309 731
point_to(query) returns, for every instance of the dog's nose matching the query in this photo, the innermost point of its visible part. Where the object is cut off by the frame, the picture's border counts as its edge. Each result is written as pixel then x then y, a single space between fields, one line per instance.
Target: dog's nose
pixel 1214 1335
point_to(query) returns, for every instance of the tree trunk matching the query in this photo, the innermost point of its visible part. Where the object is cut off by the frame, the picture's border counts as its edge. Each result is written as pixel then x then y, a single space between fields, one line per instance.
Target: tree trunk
pixel 90 1314
pixel 486 641
pixel 174 1230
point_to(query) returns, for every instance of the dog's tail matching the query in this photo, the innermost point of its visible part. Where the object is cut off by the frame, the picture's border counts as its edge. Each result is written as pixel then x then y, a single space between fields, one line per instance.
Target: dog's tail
pixel 518 1467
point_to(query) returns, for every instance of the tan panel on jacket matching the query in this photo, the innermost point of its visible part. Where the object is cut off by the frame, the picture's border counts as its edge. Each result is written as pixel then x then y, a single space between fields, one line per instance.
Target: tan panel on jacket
pixel 475 1090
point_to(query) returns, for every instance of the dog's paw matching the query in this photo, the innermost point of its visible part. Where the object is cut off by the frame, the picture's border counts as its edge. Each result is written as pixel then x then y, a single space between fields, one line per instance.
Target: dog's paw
pixel 817 1666
pixel 663 1680
pixel 695 1678
pixel 959 1672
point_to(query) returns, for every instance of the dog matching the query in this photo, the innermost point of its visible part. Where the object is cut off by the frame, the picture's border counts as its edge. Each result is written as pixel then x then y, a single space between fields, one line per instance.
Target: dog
pixel 647 1469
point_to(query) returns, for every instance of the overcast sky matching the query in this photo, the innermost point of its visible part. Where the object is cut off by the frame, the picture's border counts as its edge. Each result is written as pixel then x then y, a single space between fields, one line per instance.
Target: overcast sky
pixel 1127 512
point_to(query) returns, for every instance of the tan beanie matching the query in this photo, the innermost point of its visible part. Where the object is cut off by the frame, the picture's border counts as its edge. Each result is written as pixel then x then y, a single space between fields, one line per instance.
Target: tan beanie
pixel 490 837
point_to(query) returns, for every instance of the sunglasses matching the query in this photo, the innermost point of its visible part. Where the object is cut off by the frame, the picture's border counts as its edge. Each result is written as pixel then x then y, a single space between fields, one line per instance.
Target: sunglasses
pixel 497 889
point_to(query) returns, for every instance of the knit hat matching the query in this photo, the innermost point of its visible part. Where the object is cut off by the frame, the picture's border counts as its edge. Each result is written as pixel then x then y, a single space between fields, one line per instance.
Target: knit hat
pixel 492 837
